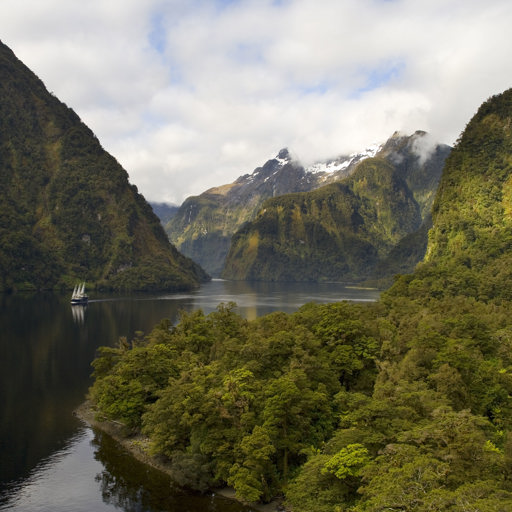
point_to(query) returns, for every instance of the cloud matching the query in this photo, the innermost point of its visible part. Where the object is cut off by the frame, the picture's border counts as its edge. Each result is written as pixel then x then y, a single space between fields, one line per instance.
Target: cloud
pixel 189 94
pixel 423 147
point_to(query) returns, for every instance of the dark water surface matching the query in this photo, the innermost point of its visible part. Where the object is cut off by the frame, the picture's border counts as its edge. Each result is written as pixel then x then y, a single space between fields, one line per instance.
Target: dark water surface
pixel 49 461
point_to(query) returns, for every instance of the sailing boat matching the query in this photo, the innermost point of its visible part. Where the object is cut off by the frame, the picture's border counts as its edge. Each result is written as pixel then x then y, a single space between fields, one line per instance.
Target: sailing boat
pixel 79 296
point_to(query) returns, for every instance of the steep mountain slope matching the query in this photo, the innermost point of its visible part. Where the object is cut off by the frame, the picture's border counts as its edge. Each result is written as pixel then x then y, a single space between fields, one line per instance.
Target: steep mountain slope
pixel 419 160
pixel 67 210
pixel 470 245
pixel 204 224
pixel 346 230
pixel 339 230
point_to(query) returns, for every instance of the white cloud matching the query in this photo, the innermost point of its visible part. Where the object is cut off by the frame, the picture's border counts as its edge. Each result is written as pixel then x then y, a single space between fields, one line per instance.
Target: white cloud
pixel 189 94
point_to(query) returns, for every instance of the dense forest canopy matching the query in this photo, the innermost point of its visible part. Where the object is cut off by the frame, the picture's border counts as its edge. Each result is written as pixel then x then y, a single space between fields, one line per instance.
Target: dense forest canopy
pixel 403 405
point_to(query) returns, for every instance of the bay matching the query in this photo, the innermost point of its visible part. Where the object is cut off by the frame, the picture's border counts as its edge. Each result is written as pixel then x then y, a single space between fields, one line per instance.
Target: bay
pixel 50 461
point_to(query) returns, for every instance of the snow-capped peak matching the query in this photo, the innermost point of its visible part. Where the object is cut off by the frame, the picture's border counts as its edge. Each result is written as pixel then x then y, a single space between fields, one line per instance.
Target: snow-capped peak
pixel 342 162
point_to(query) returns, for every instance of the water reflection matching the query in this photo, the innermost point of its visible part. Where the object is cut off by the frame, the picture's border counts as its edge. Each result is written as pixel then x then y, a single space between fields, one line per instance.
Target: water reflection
pixel 60 483
pixel 131 486
pixel 78 312
pixel 45 357
pixel 259 298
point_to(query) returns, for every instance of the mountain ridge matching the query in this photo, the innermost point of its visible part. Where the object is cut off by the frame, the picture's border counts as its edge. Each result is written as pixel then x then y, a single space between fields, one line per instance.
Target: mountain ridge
pixel 470 244
pixel 389 194
pixel 204 224
pixel 67 210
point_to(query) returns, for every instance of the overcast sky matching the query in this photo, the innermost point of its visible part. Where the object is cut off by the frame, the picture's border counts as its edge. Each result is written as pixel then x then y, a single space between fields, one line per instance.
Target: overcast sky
pixel 189 94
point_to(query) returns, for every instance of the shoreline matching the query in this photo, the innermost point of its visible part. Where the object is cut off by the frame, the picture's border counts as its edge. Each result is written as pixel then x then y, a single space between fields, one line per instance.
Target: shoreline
pixel 135 446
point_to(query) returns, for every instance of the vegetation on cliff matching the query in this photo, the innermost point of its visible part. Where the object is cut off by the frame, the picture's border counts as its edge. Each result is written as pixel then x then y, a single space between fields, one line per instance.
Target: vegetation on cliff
pixel 337 231
pixel 371 224
pixel 403 404
pixel 67 210
pixel 204 226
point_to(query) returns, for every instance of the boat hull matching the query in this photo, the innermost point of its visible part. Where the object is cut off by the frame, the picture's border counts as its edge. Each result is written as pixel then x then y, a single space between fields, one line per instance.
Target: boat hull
pixel 79 302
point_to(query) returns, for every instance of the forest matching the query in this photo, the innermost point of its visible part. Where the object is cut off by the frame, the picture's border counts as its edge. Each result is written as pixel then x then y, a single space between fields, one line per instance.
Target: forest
pixel 400 405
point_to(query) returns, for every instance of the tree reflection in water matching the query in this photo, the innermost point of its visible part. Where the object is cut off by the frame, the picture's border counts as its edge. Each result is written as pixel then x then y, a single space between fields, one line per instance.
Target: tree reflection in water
pixel 132 486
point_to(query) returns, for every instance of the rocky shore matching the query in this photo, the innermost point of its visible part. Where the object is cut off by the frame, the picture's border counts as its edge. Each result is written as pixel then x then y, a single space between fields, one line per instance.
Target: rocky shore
pixel 138 445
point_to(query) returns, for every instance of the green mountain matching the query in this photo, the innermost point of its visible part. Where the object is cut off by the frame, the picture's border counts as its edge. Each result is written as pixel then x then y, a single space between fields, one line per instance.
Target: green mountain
pixel 67 210
pixel 203 226
pixel 354 229
pixel 470 246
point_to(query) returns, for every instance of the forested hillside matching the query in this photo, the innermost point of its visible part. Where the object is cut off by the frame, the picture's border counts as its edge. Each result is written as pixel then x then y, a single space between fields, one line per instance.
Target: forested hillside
pixel 404 404
pixel 204 225
pixel 354 229
pixel 67 210
pixel 336 232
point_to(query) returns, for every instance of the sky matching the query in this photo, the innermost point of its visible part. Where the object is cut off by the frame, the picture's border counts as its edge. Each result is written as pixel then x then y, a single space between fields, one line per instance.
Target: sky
pixel 190 94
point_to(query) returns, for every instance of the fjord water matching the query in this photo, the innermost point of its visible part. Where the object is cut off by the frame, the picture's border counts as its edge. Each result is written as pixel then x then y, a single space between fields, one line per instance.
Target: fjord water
pixel 49 460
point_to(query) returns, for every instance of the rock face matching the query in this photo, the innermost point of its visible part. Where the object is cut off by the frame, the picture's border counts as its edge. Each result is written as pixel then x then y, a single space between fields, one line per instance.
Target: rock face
pixel 67 210
pixel 346 230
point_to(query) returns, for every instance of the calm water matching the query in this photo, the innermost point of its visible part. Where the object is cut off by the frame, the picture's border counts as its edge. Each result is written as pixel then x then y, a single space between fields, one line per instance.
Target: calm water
pixel 50 461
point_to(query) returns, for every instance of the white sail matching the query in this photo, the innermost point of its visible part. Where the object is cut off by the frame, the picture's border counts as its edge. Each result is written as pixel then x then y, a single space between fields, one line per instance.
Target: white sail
pixel 79 296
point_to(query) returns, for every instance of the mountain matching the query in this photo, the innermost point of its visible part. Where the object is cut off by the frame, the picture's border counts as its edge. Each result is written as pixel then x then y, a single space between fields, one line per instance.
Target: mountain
pixel 67 210
pixel 203 226
pixel 403 404
pixel 348 229
pixel 470 244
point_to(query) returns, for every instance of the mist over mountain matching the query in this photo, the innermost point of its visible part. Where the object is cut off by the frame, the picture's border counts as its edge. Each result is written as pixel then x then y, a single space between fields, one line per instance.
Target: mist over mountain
pixel 346 230
pixel 67 210
pixel 470 244
pixel 164 211
pixel 204 224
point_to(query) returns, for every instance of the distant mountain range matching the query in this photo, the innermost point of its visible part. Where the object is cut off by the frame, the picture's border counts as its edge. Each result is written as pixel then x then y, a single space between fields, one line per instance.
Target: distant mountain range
pixel 203 226
pixel 164 211
pixel 67 210
pixel 206 227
